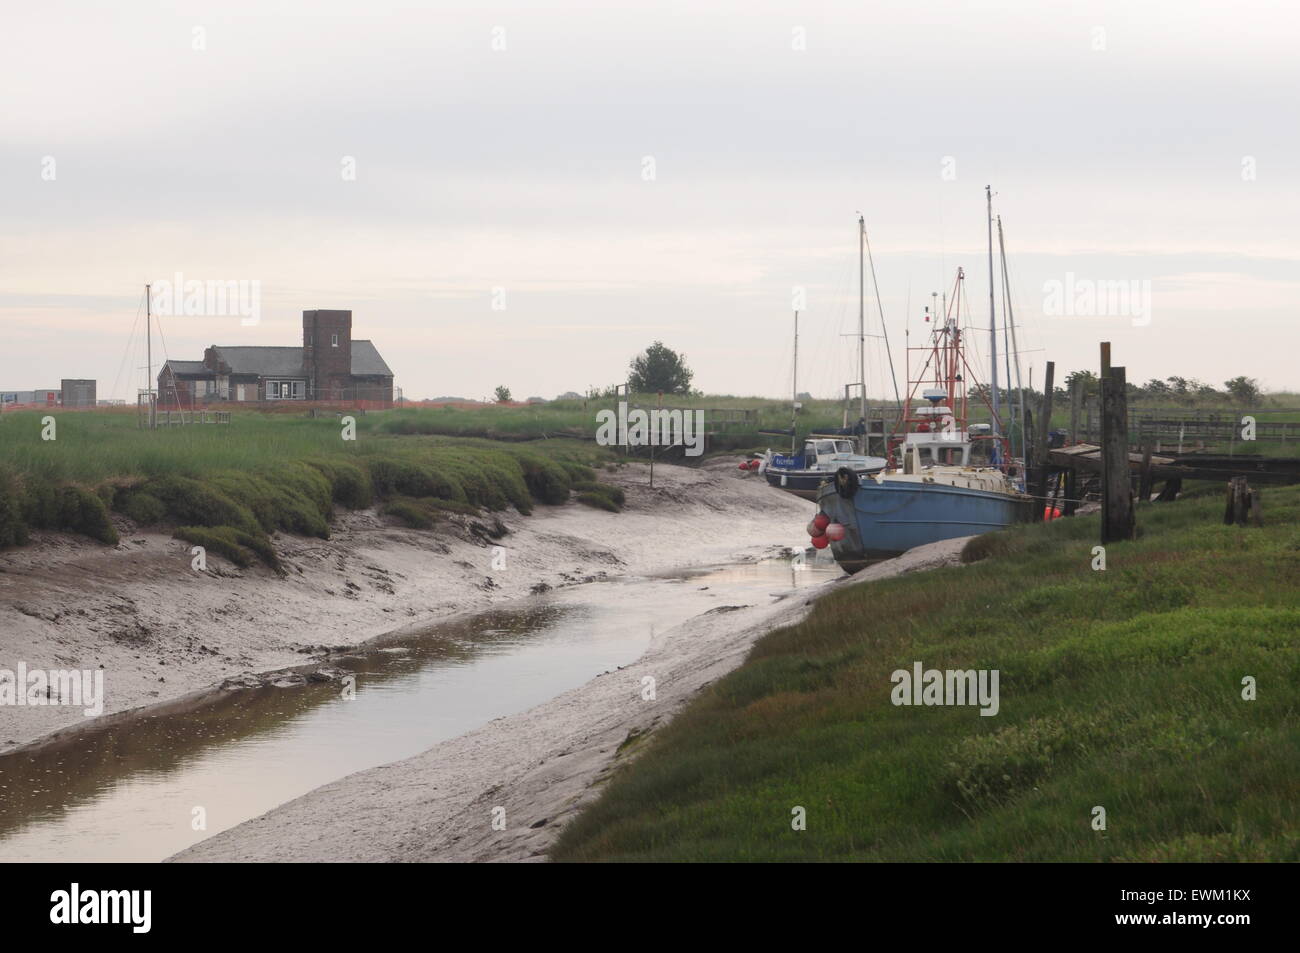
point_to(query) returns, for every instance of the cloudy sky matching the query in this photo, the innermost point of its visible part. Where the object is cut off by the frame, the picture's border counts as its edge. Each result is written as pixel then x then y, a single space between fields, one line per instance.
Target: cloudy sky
pixel 528 194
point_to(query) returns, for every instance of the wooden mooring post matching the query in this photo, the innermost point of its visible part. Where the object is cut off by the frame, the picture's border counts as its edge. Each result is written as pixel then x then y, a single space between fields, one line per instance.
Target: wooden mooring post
pixel 1076 398
pixel 1117 522
pixel 1144 480
pixel 1243 504
pixel 1044 422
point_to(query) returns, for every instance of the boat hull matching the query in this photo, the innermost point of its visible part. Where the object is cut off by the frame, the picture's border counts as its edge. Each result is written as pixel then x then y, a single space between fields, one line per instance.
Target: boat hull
pixel 885 519
pixel 805 483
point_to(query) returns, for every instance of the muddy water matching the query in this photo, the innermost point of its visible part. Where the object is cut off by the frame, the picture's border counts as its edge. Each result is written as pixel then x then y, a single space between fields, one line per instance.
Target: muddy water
pixel 138 790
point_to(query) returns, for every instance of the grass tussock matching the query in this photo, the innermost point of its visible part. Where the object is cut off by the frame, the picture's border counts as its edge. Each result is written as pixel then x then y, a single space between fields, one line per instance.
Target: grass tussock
pixel 27 503
pixel 602 496
pixel 1121 688
pixel 241 548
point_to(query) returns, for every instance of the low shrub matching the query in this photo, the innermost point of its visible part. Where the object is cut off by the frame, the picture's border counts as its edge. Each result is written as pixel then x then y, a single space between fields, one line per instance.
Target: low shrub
pixel 411 513
pixel 599 500
pixel 142 508
pixel 241 548
pixel 67 507
pixel 615 493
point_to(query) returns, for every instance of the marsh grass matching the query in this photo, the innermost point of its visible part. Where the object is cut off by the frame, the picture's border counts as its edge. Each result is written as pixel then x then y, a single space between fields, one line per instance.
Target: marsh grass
pixel 1120 688
pixel 230 487
pixel 600 495
pixel 576 418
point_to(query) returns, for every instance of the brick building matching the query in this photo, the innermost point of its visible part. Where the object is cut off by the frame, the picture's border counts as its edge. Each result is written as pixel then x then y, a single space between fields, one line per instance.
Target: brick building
pixel 77 392
pixel 329 366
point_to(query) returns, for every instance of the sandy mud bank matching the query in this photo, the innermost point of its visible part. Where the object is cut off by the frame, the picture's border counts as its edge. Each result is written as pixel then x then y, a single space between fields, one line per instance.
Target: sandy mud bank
pixel 160 631
pixel 531 771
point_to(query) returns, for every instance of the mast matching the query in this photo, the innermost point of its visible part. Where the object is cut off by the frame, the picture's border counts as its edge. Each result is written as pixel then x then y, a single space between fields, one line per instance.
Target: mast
pixel 794 389
pixel 993 318
pixel 1011 323
pixel 1006 337
pixel 862 337
pixel 148 350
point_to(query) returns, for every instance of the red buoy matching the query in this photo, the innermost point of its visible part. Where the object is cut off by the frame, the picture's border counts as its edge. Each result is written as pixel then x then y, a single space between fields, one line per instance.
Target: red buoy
pixel 814 530
pixel 835 532
pixel 820 542
pixel 821 521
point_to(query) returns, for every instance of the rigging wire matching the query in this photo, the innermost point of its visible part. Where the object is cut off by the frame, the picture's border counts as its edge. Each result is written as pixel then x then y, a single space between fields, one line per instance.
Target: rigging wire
pixel 166 359
pixel 129 341
pixel 881 308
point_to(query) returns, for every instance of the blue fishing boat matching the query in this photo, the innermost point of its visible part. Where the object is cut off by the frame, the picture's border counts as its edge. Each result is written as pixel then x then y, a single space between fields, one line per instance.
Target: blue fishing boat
pixel 888 514
pixel 946 478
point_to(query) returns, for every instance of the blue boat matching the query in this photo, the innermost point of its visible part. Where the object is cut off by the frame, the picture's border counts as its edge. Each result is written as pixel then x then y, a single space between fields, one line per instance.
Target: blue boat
pixel 886 515
pixel 950 479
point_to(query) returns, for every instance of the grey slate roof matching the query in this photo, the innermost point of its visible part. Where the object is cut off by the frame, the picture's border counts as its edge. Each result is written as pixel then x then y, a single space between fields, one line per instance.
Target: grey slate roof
pixel 366 360
pixel 283 361
pixel 264 361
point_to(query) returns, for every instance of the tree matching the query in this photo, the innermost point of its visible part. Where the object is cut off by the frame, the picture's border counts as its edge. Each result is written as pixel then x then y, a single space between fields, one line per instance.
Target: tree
pixel 659 368
pixel 503 394
pixel 1091 383
pixel 1244 390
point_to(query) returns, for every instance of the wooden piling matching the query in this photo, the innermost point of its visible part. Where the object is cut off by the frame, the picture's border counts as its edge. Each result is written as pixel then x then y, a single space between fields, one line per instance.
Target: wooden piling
pixel 1243 506
pixel 1071 492
pixel 1116 488
pixel 1040 442
pixel 1076 397
pixel 1144 482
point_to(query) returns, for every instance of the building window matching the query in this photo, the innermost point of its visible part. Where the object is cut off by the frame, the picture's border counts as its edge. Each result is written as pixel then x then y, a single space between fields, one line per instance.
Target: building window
pixel 284 390
pixel 334 340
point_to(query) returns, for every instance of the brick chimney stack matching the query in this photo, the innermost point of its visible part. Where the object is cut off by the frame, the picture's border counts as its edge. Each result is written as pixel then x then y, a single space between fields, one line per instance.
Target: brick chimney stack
pixel 327 353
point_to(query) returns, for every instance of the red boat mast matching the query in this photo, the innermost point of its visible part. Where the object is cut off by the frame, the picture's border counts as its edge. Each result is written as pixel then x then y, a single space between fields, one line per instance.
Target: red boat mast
pixel 942 384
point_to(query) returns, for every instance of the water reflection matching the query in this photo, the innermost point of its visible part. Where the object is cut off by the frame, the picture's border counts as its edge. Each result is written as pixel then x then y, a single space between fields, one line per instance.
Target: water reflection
pixel 132 790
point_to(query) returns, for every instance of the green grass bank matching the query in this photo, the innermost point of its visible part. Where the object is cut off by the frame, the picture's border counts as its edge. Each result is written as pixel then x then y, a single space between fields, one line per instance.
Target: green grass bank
pixel 1119 688
pixel 229 487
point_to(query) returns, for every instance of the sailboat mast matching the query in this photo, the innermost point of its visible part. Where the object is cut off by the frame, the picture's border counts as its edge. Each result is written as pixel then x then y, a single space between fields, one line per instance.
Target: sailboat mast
pixel 794 389
pixel 862 336
pixel 1006 340
pixel 1011 323
pixel 993 318
pixel 148 354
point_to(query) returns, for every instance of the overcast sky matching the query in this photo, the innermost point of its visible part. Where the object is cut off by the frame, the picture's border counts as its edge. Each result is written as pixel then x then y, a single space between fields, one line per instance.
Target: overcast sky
pixel 632 172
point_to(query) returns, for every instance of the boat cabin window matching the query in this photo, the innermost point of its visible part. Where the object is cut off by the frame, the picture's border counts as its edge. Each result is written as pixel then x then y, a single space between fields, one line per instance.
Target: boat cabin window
pixel 939 455
pixel 826 447
pixel 844 446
